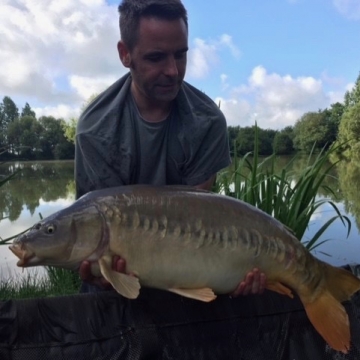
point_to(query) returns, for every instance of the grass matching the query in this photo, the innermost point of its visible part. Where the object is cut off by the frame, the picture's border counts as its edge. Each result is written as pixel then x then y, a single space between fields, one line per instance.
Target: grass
pixel 56 282
pixel 290 199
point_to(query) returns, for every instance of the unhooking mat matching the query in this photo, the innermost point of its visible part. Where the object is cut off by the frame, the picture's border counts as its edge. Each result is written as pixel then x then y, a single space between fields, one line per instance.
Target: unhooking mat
pixel 161 325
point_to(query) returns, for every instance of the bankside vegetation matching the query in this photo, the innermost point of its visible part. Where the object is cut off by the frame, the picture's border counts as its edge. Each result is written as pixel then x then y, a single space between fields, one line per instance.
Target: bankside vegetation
pixel 27 137
pixel 291 199
pixel 313 131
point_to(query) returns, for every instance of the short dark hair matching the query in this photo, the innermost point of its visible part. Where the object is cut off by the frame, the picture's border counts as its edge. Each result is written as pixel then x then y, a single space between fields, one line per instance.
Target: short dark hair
pixel 131 11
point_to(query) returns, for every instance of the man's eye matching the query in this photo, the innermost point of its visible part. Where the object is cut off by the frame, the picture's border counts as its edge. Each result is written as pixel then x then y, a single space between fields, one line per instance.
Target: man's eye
pixel 179 56
pixel 155 58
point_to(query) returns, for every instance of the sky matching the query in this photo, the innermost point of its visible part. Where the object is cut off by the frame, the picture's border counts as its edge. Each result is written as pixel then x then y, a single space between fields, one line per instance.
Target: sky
pixel 268 61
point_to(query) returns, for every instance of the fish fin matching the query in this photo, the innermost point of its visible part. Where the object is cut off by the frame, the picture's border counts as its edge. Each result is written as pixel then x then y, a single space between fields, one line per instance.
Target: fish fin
pixel 331 321
pixel 125 285
pixel 279 288
pixel 339 284
pixel 204 294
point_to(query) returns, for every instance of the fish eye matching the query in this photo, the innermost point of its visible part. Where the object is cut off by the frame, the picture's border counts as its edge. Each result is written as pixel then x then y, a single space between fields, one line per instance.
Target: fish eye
pixel 50 229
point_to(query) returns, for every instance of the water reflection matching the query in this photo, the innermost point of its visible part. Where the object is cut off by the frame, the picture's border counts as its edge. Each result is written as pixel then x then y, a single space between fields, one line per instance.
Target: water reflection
pixel 349 179
pixel 34 182
pixel 45 187
pixel 38 189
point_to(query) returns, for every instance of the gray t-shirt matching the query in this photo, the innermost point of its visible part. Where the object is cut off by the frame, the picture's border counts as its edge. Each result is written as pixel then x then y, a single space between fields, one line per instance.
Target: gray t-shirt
pixel 152 147
pixel 107 141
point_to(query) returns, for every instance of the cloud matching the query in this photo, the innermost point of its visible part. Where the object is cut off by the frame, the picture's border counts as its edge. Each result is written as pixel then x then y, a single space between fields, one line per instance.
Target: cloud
pixel 89 86
pixel 349 8
pixel 62 111
pixel 204 55
pixel 43 41
pixel 273 100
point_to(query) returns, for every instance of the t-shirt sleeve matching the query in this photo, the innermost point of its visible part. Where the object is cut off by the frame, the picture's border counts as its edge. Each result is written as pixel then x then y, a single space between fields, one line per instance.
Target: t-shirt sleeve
pixel 212 155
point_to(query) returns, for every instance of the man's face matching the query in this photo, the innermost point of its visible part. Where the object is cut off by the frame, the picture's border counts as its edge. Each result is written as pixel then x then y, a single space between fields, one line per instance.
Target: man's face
pixel 158 60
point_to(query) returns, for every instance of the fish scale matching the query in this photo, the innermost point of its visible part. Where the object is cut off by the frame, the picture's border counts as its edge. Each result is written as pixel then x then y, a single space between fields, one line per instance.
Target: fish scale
pixel 190 242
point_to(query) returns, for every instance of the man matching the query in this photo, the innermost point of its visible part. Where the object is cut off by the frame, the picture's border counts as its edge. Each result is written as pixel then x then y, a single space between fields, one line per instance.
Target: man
pixel 151 127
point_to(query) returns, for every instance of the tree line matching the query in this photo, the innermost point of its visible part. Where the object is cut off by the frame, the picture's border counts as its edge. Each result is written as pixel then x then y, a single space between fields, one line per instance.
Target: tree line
pixel 340 124
pixel 26 137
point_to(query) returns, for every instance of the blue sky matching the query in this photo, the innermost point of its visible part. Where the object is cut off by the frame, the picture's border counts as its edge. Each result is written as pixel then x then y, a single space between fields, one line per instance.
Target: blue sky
pixel 269 61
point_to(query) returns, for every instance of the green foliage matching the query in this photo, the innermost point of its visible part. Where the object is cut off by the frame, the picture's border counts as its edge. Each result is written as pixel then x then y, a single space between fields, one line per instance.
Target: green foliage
pixel 246 138
pixel 57 282
pixel 349 129
pixel 291 201
pixel 8 113
pixel 23 136
pixel 10 110
pixel 70 130
pixel 349 179
pixel 311 130
pixel 233 132
pixel 283 142
pixel 53 143
pixel 27 111
pixel 353 97
pixel 334 118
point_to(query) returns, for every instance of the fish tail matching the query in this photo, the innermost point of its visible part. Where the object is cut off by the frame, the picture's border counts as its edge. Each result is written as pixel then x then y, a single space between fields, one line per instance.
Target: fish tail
pixel 326 313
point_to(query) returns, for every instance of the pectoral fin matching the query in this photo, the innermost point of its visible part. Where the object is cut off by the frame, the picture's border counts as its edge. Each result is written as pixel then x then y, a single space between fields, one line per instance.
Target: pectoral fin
pixel 279 288
pixel 205 294
pixel 125 285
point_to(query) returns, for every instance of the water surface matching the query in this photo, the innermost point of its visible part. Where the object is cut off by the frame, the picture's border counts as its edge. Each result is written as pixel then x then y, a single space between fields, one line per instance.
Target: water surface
pixel 42 188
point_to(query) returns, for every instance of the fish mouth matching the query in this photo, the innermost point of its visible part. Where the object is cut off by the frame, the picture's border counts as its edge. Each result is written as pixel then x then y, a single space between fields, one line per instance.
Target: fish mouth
pixel 24 255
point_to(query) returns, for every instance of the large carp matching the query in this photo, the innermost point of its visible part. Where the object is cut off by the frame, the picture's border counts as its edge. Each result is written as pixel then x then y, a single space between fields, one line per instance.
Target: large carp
pixel 191 242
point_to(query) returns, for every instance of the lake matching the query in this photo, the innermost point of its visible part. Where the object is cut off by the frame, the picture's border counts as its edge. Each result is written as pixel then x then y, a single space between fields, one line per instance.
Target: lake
pixel 42 188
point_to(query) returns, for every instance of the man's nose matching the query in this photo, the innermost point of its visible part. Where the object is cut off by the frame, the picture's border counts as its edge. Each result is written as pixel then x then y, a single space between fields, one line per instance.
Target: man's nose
pixel 171 68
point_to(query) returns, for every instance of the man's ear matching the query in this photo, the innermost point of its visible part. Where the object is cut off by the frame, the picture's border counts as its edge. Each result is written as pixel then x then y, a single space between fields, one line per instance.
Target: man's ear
pixel 124 54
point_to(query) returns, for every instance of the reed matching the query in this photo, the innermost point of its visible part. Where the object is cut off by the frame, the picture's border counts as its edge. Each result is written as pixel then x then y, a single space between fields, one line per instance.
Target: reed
pixel 290 198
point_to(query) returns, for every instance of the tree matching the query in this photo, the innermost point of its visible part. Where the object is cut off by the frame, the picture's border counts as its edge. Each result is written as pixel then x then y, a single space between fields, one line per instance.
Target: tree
pixel 10 110
pixel 334 117
pixel 246 138
pixel 312 129
pixel 353 97
pixel 3 129
pixel 349 128
pixel 8 113
pixel 53 143
pixel 70 129
pixel 24 135
pixel 349 132
pixel 27 111
pixel 233 132
pixel 13 136
pixel 283 141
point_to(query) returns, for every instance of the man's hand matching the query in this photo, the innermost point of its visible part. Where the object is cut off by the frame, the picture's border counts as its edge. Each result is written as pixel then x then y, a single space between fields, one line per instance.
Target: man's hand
pixel 254 283
pixel 118 265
